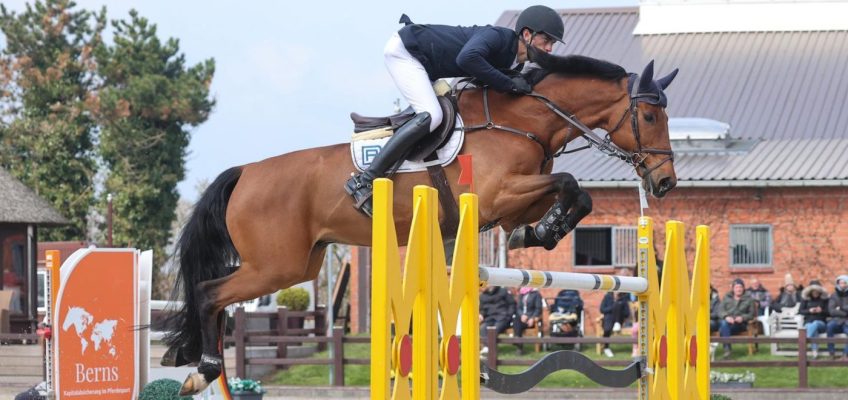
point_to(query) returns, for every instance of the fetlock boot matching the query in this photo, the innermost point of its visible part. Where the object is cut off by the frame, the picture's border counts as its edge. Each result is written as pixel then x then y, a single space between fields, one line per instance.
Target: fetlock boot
pixel 360 186
pixel 552 228
pixel 547 233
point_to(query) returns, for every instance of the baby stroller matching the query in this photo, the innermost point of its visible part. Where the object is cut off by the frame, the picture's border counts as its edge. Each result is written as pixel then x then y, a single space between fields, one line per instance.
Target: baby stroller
pixel 566 319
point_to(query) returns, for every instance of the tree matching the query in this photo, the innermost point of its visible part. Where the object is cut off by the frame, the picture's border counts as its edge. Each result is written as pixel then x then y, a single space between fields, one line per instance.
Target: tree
pixel 147 102
pixel 46 132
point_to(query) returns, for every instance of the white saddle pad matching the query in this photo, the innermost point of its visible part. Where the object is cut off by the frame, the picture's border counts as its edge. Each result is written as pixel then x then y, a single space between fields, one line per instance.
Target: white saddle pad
pixel 363 149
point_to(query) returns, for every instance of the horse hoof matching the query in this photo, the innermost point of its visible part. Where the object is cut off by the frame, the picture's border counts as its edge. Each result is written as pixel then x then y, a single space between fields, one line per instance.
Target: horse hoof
pixel 517 237
pixel 194 384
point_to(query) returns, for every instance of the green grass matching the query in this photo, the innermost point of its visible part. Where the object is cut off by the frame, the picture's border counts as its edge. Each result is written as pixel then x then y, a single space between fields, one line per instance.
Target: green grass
pixel 778 377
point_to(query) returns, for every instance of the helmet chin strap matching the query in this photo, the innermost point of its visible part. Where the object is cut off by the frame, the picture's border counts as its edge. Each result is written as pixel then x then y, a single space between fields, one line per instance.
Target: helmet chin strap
pixel 528 44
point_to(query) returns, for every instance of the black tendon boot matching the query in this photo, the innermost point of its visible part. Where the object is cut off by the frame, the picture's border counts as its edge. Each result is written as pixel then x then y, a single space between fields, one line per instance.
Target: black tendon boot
pixel 552 228
pixel 359 186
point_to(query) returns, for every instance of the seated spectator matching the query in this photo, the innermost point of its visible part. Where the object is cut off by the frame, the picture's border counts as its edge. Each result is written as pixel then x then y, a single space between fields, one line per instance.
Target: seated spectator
pixel 789 295
pixel 814 309
pixel 837 308
pixel 616 309
pixel 565 314
pixel 529 312
pixel 735 311
pixel 715 302
pixel 497 307
pixel 760 295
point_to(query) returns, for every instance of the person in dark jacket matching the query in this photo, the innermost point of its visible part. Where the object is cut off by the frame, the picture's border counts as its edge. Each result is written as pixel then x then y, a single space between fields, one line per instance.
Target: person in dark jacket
pixel 616 309
pixel 789 295
pixel 528 313
pixel 497 308
pixel 814 309
pixel 715 303
pixel 837 308
pixel 735 311
pixel 566 313
pixel 419 54
pixel 760 295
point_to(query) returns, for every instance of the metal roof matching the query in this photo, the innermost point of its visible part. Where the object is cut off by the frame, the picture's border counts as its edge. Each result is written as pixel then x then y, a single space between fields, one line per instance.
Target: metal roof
pixel 785 90
pixel 19 204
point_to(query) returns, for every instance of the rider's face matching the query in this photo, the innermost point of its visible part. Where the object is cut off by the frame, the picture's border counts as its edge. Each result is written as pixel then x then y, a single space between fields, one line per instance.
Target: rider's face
pixel 540 41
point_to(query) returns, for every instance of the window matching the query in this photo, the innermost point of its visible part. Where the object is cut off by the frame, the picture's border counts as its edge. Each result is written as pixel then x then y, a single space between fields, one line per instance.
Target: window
pixel 750 245
pixel 605 246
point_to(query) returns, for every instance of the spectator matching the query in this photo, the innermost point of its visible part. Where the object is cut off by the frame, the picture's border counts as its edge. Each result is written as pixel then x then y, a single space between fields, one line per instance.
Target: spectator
pixel 789 295
pixel 837 307
pixel 814 309
pixel 736 309
pixel 759 294
pixel 566 314
pixel 715 303
pixel 616 308
pixel 529 312
pixel 497 307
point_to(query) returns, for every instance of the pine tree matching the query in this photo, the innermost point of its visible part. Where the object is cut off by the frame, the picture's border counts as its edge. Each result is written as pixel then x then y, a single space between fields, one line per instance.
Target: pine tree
pixel 148 101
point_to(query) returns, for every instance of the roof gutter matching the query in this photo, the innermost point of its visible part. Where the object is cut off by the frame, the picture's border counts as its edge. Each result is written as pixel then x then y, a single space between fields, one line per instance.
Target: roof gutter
pixel 725 184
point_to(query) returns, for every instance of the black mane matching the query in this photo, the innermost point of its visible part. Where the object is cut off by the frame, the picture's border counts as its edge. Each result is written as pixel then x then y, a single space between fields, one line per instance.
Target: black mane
pixel 575 65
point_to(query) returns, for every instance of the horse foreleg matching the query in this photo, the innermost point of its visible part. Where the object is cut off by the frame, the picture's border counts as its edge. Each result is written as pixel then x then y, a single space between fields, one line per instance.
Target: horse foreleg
pixel 572 205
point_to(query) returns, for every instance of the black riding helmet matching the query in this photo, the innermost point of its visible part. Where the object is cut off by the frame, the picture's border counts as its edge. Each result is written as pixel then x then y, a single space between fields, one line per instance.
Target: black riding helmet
pixel 541 19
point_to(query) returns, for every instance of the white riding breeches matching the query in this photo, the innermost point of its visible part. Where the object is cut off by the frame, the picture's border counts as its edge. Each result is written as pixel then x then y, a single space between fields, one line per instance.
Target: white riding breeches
pixel 412 80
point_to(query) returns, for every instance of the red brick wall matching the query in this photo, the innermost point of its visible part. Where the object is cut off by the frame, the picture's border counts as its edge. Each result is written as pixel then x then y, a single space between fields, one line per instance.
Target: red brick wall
pixel 809 228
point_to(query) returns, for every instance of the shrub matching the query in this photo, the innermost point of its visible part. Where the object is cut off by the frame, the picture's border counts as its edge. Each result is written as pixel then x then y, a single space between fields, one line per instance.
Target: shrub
pixel 238 385
pixel 162 389
pixel 296 299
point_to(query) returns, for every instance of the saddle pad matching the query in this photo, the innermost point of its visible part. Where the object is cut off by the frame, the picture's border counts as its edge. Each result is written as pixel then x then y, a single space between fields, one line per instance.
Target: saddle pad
pixel 363 149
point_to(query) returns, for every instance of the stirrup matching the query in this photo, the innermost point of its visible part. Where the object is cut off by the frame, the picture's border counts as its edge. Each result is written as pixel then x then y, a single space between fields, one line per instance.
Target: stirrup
pixel 361 193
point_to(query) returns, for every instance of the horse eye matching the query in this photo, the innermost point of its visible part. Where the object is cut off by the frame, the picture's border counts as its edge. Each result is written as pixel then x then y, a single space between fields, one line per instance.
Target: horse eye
pixel 649 118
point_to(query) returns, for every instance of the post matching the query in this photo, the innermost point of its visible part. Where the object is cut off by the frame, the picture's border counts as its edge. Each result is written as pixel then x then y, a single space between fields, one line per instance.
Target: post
pixel 109 217
pixel 338 356
pixel 321 324
pixel 492 344
pixel 239 337
pixel 282 330
pixel 802 359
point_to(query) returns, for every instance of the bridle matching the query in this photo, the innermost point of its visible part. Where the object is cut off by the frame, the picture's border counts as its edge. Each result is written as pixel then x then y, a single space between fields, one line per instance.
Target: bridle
pixel 605 145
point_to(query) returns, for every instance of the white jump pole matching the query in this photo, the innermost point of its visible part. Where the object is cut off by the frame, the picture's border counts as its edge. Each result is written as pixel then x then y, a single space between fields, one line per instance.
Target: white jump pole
pixel 511 277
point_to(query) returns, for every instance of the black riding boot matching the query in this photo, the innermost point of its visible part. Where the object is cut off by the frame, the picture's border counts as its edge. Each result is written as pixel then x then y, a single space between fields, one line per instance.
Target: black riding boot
pixel 359 186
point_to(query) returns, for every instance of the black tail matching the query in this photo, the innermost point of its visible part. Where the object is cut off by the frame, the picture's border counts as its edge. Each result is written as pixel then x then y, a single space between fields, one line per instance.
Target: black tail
pixel 205 252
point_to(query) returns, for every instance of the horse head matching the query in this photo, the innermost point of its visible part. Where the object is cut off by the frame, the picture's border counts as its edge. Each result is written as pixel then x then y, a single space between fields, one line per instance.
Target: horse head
pixel 648 138
pixel 632 114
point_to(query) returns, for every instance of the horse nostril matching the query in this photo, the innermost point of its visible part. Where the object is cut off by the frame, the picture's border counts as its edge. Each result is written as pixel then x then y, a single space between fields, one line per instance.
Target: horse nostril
pixel 666 184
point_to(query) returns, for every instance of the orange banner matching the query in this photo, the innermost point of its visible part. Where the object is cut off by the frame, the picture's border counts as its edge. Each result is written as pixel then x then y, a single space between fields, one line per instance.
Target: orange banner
pixel 96 341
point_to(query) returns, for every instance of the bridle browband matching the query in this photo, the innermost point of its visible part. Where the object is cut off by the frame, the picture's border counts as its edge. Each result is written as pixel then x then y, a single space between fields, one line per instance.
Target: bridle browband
pixel 605 145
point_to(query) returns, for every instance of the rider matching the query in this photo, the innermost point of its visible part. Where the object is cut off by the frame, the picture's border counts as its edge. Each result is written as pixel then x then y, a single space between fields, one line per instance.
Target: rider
pixel 419 54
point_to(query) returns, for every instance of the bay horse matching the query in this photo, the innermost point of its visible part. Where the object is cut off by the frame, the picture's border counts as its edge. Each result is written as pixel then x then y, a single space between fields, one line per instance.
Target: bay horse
pixel 274 218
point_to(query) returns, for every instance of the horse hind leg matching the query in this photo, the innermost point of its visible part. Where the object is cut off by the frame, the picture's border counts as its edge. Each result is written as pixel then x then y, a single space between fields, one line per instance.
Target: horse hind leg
pixel 213 296
pixel 572 205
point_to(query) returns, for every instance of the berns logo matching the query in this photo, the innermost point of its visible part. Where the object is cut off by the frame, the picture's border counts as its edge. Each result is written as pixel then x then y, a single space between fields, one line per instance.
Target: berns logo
pixel 97 374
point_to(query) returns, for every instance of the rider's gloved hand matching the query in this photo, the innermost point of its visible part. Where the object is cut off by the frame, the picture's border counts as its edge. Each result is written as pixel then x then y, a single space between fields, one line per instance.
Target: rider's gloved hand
pixel 520 85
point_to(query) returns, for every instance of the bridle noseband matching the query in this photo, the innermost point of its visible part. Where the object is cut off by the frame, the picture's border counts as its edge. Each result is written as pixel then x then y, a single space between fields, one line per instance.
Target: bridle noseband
pixel 605 145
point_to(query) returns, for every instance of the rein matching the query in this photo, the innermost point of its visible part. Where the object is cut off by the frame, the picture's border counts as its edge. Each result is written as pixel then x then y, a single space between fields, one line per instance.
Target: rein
pixel 606 146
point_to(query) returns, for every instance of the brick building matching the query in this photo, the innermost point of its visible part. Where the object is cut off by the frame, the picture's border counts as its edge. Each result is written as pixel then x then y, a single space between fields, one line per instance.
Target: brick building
pixel 760 132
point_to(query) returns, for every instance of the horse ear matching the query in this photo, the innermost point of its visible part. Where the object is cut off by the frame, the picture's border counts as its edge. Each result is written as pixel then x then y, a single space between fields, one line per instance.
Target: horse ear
pixel 645 83
pixel 666 80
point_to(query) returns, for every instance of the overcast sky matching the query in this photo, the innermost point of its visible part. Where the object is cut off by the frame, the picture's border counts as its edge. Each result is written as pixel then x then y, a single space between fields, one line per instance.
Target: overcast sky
pixel 289 72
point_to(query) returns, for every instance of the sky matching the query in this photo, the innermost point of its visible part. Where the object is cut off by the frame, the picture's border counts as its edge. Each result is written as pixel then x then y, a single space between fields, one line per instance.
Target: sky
pixel 288 73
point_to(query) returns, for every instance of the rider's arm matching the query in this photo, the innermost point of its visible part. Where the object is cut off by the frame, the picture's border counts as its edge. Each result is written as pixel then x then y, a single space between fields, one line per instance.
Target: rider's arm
pixel 473 59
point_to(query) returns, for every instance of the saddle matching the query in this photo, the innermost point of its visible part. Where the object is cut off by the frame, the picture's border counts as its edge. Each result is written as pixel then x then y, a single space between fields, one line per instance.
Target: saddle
pixel 373 127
